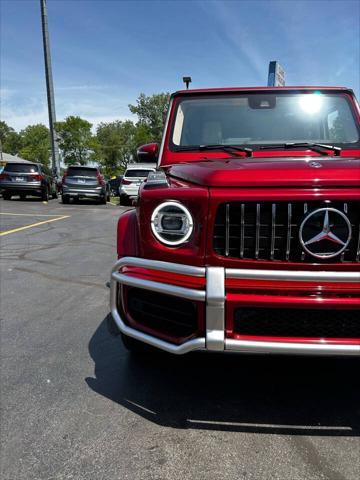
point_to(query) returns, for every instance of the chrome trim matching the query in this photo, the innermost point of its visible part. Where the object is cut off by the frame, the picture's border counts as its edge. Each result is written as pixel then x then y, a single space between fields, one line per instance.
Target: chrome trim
pixel 227 229
pixel 249 346
pixel 288 235
pixel 215 308
pixel 161 266
pixel 242 231
pixel 116 277
pixel 157 233
pixel 292 275
pixel 273 226
pixel 188 293
pixel 357 259
pixel 257 234
pixel 191 345
pixel 215 296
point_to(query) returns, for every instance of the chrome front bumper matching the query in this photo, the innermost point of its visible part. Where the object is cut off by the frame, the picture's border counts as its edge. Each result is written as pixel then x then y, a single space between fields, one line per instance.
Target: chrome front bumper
pixel 214 298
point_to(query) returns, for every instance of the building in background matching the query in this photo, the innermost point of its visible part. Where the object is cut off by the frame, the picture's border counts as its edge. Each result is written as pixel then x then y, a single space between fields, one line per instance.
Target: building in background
pixel 276 76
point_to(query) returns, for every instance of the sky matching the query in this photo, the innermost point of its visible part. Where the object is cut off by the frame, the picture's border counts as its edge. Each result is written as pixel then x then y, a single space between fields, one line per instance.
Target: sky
pixel 106 52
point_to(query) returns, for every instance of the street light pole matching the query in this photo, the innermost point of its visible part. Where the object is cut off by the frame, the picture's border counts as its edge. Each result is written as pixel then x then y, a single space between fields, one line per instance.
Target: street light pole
pixel 49 89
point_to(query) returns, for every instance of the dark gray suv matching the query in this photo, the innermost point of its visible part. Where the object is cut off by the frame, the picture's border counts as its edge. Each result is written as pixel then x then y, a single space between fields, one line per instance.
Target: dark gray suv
pixel 27 179
pixel 84 182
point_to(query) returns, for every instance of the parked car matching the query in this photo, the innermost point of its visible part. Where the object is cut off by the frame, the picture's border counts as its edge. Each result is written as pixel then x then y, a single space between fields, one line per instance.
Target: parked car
pixel 27 179
pixel 84 182
pixel 247 237
pixel 133 177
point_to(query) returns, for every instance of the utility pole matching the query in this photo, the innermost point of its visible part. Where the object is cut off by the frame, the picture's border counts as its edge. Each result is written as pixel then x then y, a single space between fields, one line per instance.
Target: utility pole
pixel 49 89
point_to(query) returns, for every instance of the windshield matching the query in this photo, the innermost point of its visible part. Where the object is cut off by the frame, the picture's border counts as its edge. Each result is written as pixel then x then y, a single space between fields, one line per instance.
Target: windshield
pixel 21 167
pixel 137 173
pixel 81 172
pixel 263 119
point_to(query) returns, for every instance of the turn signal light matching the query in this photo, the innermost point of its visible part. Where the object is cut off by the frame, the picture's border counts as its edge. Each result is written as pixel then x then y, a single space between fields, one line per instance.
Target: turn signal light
pixel 125 182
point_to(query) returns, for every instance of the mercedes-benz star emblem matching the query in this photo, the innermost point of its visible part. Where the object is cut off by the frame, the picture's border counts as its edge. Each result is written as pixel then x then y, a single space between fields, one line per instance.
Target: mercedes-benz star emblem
pixel 325 233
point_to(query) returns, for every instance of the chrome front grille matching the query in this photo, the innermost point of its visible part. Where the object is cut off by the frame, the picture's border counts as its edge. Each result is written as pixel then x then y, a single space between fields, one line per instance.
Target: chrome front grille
pixel 270 230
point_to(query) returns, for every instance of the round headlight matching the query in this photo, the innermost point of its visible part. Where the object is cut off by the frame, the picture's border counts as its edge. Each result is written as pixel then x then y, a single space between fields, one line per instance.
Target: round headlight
pixel 171 223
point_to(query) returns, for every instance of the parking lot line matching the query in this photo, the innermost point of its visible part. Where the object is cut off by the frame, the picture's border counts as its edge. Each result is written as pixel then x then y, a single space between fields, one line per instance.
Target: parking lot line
pixel 19 229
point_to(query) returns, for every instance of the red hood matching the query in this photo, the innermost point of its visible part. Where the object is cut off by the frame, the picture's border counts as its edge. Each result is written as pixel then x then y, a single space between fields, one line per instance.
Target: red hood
pixel 271 172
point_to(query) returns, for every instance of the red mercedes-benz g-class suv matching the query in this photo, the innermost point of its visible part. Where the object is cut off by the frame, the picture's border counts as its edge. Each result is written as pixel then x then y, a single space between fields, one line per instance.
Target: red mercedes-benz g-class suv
pixel 247 237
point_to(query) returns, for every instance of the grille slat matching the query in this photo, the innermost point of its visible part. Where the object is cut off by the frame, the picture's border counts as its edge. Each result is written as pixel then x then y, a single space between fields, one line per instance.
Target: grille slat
pixel 257 235
pixel 242 231
pixel 270 231
pixel 227 239
pixel 288 237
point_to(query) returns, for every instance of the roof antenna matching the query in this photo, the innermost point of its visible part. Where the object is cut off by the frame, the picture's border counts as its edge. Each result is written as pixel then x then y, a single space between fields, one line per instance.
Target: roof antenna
pixel 187 80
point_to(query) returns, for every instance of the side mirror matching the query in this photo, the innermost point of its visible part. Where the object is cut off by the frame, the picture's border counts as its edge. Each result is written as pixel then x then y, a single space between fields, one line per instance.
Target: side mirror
pixel 148 152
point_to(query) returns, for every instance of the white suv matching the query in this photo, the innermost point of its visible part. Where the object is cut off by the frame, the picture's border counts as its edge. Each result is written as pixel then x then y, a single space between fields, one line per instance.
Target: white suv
pixel 134 175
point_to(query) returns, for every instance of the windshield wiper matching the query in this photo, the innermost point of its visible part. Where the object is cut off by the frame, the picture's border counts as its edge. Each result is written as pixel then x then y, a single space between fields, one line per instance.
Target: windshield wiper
pixel 316 147
pixel 220 146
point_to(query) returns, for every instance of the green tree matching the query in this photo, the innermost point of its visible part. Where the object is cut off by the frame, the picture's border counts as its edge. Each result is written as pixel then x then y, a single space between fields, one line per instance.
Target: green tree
pixel 4 131
pixel 337 131
pixel 75 140
pixel 116 144
pixel 10 140
pixel 151 111
pixel 35 144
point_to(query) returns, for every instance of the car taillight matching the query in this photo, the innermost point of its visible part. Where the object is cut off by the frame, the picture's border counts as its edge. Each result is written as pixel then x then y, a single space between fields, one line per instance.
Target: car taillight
pixel 37 178
pixel 4 176
pixel 125 182
pixel 63 178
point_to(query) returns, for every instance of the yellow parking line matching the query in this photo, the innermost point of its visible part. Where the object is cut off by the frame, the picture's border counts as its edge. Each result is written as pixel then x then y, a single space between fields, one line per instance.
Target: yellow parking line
pixel 7 232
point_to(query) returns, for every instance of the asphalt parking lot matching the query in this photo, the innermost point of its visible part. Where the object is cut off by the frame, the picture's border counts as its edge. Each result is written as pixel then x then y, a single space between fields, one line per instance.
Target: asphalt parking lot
pixel 76 405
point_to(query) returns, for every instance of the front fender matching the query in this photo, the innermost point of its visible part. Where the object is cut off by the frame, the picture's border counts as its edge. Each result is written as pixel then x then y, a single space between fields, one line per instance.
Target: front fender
pixel 128 235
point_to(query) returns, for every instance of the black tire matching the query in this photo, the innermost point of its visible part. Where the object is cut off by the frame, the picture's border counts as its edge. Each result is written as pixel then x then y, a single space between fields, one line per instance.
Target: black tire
pixel 6 196
pixel 65 200
pixel 136 347
pixel 124 201
pixel 45 195
pixel 132 345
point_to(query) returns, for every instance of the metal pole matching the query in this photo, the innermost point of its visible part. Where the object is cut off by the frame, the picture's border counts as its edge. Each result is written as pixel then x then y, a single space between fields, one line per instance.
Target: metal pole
pixel 49 89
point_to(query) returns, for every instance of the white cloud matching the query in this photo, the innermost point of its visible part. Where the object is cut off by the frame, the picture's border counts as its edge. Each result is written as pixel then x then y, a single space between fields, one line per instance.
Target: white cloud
pixel 85 87
pixel 19 111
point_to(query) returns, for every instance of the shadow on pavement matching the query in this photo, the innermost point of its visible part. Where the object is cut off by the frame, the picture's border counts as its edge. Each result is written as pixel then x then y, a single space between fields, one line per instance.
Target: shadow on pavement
pixel 26 199
pixel 258 394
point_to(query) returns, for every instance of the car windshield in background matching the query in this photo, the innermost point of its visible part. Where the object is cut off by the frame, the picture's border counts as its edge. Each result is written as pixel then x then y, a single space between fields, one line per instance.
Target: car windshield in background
pixel 137 173
pixel 81 172
pixel 263 119
pixel 21 167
